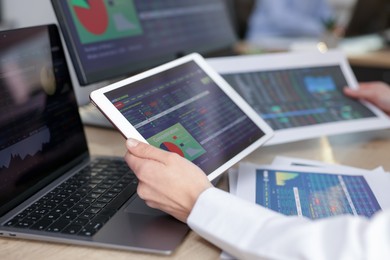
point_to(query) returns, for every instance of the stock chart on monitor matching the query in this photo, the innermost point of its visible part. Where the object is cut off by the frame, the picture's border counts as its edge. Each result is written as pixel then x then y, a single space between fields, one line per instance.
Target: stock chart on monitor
pixel 115 38
pixel 298 97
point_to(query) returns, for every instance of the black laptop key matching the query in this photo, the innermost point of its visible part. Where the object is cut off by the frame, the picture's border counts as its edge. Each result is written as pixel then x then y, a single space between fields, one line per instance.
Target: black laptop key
pixel 70 216
pixel 104 186
pixel 107 212
pixel 41 211
pixel 110 194
pixel 21 215
pixel 80 221
pixel 59 225
pixel 55 200
pixel 87 232
pixel 90 229
pixel 66 204
pixel 87 216
pixel 99 190
pixel 33 217
pixel 81 205
pixel 94 195
pixel 49 206
pixel 24 223
pixel 42 224
pixel 87 200
pixel 53 216
pixel 99 205
pixel 123 197
pixel 76 211
pixel 74 199
pixel 60 210
pixel 92 210
pixel 100 219
pixel 104 199
pixel 72 229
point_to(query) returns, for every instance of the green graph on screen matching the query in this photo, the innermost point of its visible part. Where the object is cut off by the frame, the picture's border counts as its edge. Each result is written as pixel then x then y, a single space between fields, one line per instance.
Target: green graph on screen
pixel 101 20
pixel 178 140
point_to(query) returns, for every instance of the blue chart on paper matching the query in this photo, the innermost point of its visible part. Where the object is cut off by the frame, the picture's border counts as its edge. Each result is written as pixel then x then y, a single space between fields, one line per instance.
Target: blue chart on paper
pixel 314 195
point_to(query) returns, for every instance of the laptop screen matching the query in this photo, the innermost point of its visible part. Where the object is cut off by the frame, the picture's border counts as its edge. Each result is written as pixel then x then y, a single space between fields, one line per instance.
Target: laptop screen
pixel 40 128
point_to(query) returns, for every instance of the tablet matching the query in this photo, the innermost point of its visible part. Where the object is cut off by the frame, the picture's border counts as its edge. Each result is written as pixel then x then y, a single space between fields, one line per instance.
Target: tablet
pixel 185 107
pixel 300 95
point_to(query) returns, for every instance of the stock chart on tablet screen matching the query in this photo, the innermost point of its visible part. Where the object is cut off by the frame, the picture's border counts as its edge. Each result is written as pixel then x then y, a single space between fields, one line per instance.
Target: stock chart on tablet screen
pixel 183 110
pixel 298 97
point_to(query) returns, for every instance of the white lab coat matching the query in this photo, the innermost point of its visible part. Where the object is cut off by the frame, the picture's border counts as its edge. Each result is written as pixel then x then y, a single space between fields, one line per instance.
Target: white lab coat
pixel 249 231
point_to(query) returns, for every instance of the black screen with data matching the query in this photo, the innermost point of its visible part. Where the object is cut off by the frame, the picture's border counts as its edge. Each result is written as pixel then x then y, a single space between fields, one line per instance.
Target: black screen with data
pixel 40 128
pixel 182 110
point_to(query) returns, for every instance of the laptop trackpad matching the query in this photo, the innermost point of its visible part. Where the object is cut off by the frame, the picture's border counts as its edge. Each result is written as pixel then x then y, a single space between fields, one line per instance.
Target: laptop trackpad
pixel 139 206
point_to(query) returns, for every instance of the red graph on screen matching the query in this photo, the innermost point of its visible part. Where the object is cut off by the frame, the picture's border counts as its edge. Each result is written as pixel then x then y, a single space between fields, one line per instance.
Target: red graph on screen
pixel 172 148
pixel 92 15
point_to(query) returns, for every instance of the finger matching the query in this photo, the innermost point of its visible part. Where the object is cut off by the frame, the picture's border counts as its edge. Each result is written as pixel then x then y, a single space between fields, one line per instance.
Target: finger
pixel 362 92
pixel 142 190
pixel 350 92
pixel 152 204
pixel 141 167
pixel 146 194
pixel 145 151
pixel 366 90
pixel 372 84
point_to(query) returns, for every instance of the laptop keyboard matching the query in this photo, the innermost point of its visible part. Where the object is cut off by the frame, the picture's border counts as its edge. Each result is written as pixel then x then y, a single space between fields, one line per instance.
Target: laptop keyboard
pixel 82 204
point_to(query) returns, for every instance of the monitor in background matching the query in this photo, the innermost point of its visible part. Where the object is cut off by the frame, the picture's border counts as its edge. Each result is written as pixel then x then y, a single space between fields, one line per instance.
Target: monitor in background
pixel 369 17
pixel 109 39
pixel 1 13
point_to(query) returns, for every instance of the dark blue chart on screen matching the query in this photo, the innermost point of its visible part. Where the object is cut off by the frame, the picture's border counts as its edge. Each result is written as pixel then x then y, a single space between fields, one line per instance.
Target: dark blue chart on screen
pixel 314 195
pixel 183 110
pixel 298 97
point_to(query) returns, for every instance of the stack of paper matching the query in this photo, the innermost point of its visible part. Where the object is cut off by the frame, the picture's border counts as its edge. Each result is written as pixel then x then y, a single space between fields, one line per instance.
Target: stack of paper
pixel 311 189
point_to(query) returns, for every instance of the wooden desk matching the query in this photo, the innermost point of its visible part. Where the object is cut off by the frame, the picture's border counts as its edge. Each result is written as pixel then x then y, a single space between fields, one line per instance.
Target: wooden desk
pixel 365 150
pixel 371 66
pixel 375 59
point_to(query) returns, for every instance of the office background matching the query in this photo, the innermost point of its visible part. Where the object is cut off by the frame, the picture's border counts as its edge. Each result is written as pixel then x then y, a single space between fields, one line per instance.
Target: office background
pixel 41 12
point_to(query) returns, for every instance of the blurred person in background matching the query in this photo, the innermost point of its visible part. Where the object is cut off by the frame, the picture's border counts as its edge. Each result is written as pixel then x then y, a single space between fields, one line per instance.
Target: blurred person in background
pixel 290 19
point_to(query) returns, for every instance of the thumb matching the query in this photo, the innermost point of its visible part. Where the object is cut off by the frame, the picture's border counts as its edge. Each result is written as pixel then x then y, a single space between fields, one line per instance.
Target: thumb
pixel 145 151
pixel 361 93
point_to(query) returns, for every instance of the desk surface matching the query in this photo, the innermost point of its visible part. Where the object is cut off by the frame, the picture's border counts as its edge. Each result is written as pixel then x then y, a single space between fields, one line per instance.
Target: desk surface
pixel 379 58
pixel 376 59
pixel 365 150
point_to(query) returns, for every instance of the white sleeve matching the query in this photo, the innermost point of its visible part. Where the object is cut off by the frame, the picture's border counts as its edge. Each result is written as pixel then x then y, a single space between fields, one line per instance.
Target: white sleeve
pixel 249 231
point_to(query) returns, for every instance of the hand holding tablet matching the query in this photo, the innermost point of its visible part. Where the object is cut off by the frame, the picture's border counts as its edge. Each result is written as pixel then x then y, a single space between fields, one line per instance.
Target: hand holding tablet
pixel 185 107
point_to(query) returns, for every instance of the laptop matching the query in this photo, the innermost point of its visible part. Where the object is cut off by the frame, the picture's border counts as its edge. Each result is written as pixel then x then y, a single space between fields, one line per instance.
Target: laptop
pixel 51 189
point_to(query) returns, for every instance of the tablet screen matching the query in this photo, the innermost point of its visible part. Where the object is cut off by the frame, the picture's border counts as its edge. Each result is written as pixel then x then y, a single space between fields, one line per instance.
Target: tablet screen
pixel 288 98
pixel 184 111
pixel 300 94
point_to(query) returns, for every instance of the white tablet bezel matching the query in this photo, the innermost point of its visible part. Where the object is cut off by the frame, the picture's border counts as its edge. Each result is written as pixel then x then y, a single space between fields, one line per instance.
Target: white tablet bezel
pixel 281 61
pixel 127 130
